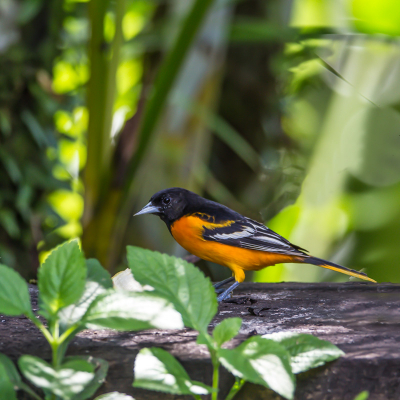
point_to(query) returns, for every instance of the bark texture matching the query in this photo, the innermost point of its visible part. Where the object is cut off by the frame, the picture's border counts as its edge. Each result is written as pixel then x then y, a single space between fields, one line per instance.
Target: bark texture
pixel 362 319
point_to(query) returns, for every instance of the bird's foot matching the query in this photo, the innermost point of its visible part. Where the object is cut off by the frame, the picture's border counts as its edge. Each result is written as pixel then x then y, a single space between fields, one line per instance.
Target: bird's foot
pixel 228 292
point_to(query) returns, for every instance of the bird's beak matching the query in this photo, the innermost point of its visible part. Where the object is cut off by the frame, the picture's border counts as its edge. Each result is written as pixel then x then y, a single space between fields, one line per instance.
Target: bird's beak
pixel 148 209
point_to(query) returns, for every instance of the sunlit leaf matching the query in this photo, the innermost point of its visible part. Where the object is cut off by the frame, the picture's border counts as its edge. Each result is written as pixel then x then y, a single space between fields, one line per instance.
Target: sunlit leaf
pixel 227 330
pixel 14 294
pixel 306 351
pixel 100 373
pixel 114 396
pixel 128 75
pixel 61 278
pixel 124 280
pixel 313 14
pixel 261 361
pixel 362 396
pixel 68 77
pixel 73 314
pixel 178 281
pixel 372 16
pixel 132 24
pixel 97 281
pixel 132 311
pixel 67 381
pixel 156 369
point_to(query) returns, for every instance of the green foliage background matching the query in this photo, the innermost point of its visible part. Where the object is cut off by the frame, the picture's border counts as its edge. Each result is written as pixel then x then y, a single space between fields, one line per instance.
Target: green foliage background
pixel 286 111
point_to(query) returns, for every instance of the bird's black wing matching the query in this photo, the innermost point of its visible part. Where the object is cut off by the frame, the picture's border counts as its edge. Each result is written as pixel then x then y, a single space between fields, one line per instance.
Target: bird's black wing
pixel 249 234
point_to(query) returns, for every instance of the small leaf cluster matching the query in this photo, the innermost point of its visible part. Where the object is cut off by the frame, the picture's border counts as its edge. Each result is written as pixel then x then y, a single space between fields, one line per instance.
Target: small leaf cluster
pixel 74 294
pixel 271 360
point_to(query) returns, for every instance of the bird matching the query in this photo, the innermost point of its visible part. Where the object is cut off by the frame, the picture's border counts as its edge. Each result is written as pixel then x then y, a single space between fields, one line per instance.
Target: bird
pixel 214 232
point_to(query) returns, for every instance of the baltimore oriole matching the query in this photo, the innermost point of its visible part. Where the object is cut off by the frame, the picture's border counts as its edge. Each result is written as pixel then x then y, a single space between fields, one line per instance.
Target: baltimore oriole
pixel 216 233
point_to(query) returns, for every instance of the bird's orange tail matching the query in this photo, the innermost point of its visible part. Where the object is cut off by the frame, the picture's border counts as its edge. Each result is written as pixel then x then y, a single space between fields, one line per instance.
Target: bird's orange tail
pixel 336 267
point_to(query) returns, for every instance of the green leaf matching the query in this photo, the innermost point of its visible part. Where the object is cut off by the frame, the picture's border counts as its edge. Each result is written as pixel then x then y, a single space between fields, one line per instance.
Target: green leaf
pixel 67 381
pixel 96 273
pixel 14 294
pixel 178 281
pixel 227 330
pixel 14 375
pixel 9 222
pixel 100 368
pixel 362 396
pixel 129 311
pixel 61 279
pixel 11 370
pixel 72 314
pixel 261 361
pixel 156 369
pixel 97 281
pixel 114 396
pixel 306 351
pixel 6 386
pixel 205 338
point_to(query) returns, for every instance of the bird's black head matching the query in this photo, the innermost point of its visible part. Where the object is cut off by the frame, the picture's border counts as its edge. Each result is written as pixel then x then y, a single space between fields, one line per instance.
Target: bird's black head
pixel 171 204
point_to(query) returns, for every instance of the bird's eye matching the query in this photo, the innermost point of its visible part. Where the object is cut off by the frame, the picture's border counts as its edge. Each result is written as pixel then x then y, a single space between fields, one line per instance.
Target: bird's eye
pixel 166 200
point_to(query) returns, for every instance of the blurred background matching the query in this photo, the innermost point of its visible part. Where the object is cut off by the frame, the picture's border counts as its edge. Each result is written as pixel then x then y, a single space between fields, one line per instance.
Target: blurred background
pixel 287 111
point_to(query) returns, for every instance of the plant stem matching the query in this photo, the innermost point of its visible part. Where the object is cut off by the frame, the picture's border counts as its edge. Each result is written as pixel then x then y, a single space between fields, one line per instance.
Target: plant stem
pixel 40 326
pixel 215 381
pixel 235 388
pixel 71 330
pixel 166 77
pixel 165 80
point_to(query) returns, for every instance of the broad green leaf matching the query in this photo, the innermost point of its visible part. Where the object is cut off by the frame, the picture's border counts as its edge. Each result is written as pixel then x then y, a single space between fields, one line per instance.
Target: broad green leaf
pixel 124 280
pixel 114 396
pixel 100 368
pixel 73 314
pixel 67 381
pixel 14 294
pixel 96 273
pixel 14 375
pixel 178 281
pixel 97 281
pixel 61 279
pixel 227 330
pixel 11 369
pixel 132 311
pixel 261 361
pixel 306 351
pixel 362 396
pixel 7 390
pixel 156 369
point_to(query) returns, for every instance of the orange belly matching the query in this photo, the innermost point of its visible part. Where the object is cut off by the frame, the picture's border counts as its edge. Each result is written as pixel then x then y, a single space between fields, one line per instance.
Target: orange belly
pixel 187 231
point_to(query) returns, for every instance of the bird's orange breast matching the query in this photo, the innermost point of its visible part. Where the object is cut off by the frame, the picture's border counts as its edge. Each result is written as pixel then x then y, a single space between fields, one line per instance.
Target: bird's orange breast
pixel 188 232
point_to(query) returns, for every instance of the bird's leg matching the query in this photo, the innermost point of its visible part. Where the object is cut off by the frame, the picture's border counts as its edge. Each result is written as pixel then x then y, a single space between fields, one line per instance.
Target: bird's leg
pixel 227 292
pixel 222 283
